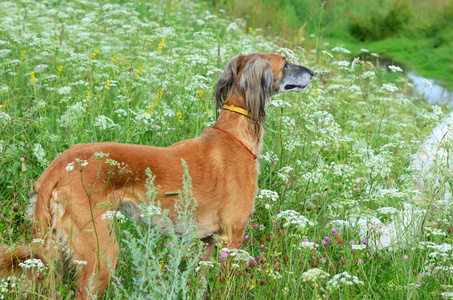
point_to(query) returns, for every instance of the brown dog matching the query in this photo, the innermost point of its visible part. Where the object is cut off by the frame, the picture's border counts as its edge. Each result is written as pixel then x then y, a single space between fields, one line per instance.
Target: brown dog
pixel 222 164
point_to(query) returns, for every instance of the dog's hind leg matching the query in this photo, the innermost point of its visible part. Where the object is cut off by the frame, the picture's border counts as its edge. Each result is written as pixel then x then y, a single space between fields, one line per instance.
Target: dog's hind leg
pixel 97 248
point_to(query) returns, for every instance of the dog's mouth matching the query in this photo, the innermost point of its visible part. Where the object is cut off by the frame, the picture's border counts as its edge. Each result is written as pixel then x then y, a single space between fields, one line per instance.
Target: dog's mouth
pixel 294 87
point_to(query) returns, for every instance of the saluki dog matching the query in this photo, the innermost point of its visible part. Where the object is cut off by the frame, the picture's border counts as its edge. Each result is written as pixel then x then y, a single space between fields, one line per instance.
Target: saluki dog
pixel 222 162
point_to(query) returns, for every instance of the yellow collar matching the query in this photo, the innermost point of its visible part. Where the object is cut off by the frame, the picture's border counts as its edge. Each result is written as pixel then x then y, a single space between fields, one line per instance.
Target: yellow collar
pixel 237 110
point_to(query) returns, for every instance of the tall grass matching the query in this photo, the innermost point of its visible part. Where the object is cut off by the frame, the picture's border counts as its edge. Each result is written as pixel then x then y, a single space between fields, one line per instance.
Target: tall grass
pixel 416 33
pixel 340 213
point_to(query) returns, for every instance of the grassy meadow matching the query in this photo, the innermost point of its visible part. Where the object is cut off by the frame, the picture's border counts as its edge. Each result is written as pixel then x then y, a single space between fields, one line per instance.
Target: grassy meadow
pixel 344 210
pixel 416 33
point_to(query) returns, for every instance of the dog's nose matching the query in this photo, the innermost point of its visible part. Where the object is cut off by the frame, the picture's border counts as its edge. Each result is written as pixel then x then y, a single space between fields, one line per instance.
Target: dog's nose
pixel 309 71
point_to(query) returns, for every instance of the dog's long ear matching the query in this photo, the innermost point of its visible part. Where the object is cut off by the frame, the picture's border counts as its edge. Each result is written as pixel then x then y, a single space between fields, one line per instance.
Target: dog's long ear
pixel 226 81
pixel 256 83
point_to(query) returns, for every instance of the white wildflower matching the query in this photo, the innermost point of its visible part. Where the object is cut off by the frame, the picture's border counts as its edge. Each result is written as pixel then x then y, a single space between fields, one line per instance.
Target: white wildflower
pixel 233 27
pixel 343 279
pixel 358 247
pixel 292 217
pixel 4 118
pixel 33 263
pixel 3 88
pixel 389 87
pixel 268 194
pixel 100 155
pixel 368 74
pixel 428 84
pixel 434 231
pixel 41 241
pixel 64 90
pixel 343 63
pixel 73 115
pixel 279 103
pixel 313 274
pixel 307 245
pixel 40 68
pixel 70 167
pixel 111 215
pixel 80 262
pixel 395 68
pixel 341 49
pixel 387 210
pixel 40 155
pixel 4 52
pixel 327 53
pixel 105 123
pixel 238 254
pixel 81 162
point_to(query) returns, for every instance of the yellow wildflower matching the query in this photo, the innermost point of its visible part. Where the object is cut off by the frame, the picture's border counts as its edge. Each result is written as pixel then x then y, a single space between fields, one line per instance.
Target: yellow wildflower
pixel 33 77
pixel 179 116
pixel 159 48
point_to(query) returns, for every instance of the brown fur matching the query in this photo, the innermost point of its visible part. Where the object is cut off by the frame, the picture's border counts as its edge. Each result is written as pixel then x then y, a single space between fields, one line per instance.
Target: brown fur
pixel 224 177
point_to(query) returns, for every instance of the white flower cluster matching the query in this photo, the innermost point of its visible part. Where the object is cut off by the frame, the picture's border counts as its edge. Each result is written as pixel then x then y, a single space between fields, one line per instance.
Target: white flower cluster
pixel 64 90
pixel 100 155
pixel 33 263
pixel 343 279
pixel 389 87
pixel 313 274
pixel 104 123
pixel 110 215
pixel 358 247
pixel 270 157
pixel 434 231
pixel 283 174
pixel 40 155
pixel 80 262
pixel 268 194
pixel 238 254
pixel 292 217
pixel 73 115
pixel 341 49
pixel 387 210
pixel 4 118
pixel 307 245
pixel 379 164
pixel 395 68
pixel 368 74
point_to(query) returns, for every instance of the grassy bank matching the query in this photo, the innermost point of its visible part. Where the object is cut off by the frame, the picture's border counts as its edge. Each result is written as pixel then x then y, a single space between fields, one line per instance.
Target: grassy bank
pixel 340 213
pixel 417 34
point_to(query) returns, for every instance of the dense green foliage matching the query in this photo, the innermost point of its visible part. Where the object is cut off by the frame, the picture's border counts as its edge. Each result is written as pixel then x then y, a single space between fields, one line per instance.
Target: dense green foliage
pixel 418 34
pixel 344 210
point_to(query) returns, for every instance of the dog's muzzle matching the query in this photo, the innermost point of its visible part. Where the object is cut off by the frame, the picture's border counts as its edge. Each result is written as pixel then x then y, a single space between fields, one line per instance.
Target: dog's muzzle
pixel 296 79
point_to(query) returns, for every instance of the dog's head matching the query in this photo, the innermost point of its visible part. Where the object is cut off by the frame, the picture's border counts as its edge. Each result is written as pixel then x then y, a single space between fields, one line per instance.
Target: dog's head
pixel 257 77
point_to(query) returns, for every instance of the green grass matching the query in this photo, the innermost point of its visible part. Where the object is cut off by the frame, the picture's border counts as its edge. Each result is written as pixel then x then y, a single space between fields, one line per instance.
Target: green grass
pixel 414 33
pixel 336 156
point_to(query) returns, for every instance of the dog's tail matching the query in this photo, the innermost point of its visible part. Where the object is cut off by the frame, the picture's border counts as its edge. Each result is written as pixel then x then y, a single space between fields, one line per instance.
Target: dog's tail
pixel 12 256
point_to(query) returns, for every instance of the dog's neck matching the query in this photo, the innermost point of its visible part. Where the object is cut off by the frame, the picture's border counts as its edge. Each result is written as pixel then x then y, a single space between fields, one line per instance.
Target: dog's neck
pixel 243 128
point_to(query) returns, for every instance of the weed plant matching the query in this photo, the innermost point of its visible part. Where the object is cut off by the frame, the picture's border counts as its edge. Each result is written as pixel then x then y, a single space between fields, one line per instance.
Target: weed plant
pixel 344 209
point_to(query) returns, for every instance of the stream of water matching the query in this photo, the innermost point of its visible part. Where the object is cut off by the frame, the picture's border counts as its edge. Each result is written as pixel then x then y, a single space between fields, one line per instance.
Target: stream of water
pixel 430 90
